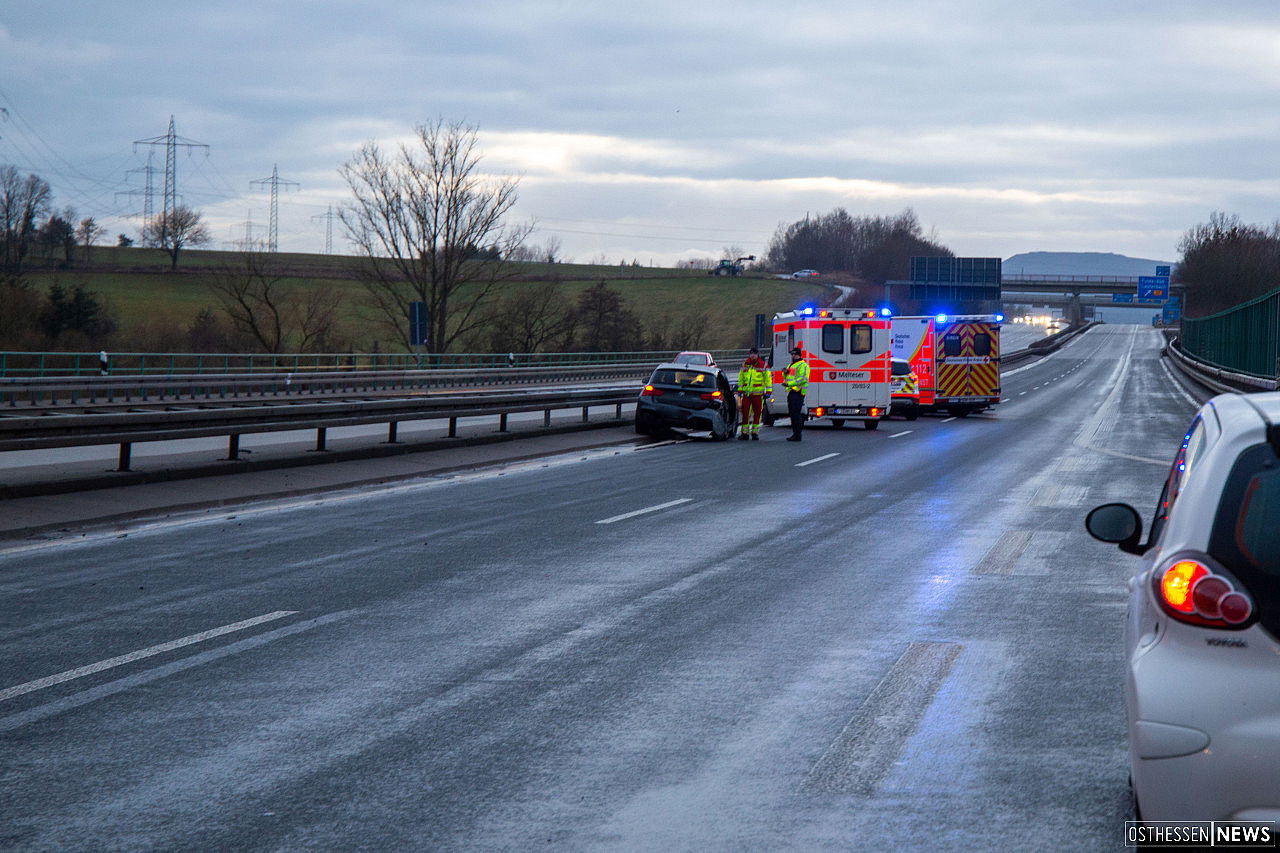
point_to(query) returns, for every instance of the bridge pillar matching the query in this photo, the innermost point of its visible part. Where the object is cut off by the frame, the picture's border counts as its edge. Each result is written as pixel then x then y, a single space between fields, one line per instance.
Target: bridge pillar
pixel 1072 311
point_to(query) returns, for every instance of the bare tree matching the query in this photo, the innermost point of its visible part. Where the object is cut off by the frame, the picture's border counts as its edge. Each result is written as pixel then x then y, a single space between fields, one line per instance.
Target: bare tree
pixel 551 250
pixel 531 318
pixel 276 315
pixel 24 200
pixel 87 233
pixel 175 230
pixel 420 217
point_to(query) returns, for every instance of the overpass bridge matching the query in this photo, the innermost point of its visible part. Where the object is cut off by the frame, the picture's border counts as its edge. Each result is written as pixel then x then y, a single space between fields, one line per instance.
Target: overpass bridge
pixel 1070 291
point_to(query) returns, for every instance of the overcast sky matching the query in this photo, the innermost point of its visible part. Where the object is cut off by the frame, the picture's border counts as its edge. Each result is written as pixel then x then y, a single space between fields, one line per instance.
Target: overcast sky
pixel 661 131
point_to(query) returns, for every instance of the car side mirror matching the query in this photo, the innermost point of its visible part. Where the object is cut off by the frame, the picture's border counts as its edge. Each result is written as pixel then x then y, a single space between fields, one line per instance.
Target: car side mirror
pixel 1116 523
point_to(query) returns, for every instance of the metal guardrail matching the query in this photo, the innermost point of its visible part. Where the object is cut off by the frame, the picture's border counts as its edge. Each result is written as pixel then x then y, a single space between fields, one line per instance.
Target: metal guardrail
pixel 38 430
pixel 89 390
pixel 1213 377
pixel 141 363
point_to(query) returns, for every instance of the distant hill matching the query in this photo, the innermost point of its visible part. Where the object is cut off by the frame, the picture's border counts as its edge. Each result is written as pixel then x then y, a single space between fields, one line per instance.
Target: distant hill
pixel 1079 263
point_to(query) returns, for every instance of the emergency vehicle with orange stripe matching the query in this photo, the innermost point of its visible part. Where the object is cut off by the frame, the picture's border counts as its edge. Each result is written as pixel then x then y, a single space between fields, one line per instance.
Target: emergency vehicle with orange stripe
pixel 847 350
pixel 956 359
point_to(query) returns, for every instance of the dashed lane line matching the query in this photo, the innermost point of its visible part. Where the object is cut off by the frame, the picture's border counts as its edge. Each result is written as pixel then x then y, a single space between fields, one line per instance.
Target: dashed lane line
pixel 150 651
pixel 644 511
pixel 819 459
pixel 901 434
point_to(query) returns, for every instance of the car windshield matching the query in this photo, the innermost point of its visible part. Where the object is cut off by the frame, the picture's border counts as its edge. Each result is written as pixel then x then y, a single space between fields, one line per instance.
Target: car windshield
pixel 683 378
pixel 900 368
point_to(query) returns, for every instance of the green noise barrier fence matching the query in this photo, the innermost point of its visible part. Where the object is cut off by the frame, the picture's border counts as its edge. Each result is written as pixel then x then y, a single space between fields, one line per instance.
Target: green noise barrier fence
pixel 1245 339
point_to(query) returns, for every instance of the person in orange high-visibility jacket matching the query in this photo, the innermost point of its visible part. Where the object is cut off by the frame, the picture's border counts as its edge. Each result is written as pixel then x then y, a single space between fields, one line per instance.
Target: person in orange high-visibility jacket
pixel 754 384
pixel 795 378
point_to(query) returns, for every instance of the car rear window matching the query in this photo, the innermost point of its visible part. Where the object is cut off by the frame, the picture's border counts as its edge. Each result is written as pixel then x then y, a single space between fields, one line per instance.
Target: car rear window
pixel 684 378
pixel 951 345
pixel 981 344
pixel 1246 530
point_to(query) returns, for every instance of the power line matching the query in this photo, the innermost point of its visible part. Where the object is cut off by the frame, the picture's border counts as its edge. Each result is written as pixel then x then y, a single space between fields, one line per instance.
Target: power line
pixel 328 228
pixel 275 181
pixel 171 142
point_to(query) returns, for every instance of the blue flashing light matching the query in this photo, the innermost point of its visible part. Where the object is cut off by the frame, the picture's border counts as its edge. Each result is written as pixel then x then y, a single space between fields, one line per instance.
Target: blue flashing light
pixel 807 310
pixel 886 312
pixel 941 318
pixel 999 318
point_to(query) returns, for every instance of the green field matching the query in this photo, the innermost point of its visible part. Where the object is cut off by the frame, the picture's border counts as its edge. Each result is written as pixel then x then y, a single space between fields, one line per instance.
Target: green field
pixel 153 306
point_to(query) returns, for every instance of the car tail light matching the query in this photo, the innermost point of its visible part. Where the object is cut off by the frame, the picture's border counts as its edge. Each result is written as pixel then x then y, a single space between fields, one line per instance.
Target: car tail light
pixel 712 395
pixel 875 413
pixel 650 391
pixel 818 412
pixel 1192 592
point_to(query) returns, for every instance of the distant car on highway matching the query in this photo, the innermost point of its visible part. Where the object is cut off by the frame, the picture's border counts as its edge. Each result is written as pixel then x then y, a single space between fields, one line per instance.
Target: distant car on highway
pixel 687 397
pixel 695 357
pixel 1202 635
pixel 805 274
pixel 1055 326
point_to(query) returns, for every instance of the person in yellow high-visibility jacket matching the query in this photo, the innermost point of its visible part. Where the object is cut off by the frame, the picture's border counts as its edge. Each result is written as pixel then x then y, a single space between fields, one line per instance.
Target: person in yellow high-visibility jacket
pixel 795 378
pixel 754 384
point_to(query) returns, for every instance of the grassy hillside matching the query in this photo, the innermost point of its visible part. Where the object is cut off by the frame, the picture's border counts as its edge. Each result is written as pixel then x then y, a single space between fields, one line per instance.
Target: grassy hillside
pixel 154 307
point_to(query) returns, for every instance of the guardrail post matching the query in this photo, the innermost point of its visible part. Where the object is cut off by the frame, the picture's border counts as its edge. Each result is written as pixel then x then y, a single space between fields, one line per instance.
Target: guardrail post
pixel 502 422
pixel 620 408
pixel 546 418
pixel 233 447
pixel 391 432
pixel 126 455
pixel 322 434
pixel 584 414
pixel 453 427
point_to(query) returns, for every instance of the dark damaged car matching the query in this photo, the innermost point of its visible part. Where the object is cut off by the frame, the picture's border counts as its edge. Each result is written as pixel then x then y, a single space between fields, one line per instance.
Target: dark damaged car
pixel 687 397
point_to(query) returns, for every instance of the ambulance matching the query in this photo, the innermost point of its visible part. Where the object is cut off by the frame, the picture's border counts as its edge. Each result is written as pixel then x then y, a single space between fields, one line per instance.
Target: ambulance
pixel 847 350
pixel 956 359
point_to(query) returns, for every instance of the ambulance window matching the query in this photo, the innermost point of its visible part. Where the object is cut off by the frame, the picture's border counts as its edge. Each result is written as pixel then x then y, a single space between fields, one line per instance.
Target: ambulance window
pixel 833 338
pixel 951 345
pixel 982 344
pixel 860 338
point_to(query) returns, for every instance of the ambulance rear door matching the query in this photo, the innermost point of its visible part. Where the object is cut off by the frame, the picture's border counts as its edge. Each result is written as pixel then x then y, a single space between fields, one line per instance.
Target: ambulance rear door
pixel 968 361
pixel 913 340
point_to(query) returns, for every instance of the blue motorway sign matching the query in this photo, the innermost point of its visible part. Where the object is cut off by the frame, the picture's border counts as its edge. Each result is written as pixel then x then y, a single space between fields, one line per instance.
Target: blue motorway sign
pixel 1171 314
pixel 1153 286
pixel 1122 297
pixel 1162 270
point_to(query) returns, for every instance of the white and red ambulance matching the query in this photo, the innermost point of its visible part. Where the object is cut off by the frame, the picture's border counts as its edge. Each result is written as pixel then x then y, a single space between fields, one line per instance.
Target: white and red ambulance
pixel 847 350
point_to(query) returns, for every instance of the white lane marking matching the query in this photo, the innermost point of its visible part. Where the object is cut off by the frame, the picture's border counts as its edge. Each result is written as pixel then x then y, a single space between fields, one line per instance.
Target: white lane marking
pixel 121 660
pixel 1005 400
pixel 1177 386
pixel 1022 393
pixel 901 434
pixel 647 509
pixel 146 676
pixel 819 459
pixel 948 420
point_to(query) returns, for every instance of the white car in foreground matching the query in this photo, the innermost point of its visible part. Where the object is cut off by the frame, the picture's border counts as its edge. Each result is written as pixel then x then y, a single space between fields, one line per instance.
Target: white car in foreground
pixel 1202 660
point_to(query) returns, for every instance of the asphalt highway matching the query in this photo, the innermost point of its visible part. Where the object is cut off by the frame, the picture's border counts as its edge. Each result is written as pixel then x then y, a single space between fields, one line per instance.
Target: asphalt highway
pixel 890 640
